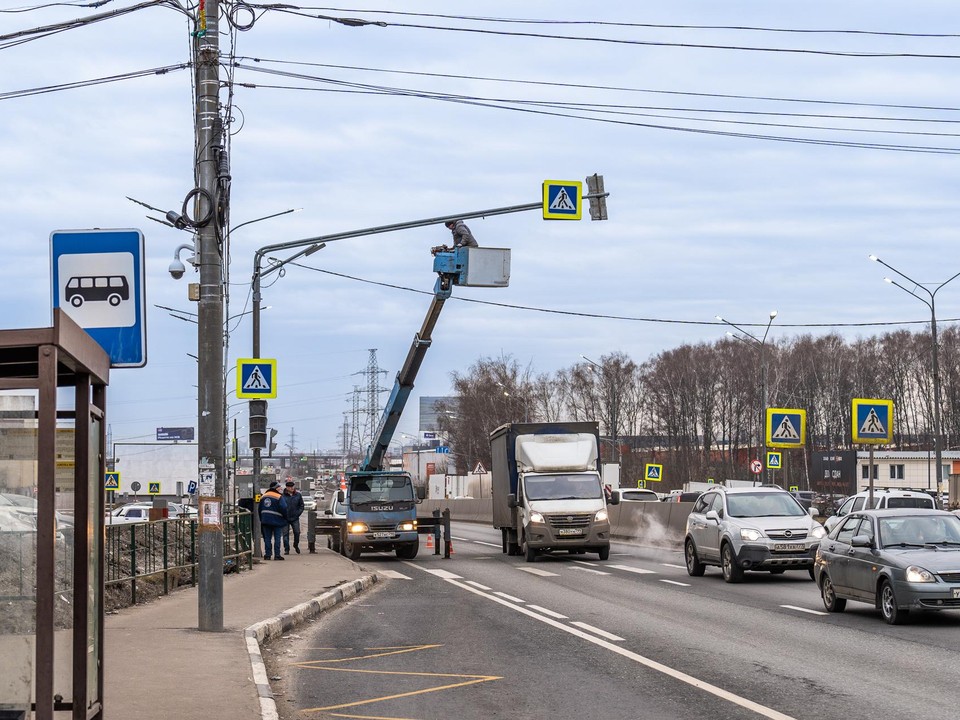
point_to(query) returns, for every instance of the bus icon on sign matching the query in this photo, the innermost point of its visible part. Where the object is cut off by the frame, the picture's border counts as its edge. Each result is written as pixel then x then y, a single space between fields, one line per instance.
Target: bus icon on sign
pixel 112 289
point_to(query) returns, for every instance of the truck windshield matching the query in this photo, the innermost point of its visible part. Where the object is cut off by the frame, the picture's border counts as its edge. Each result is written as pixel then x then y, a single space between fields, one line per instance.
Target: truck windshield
pixel 563 487
pixel 378 490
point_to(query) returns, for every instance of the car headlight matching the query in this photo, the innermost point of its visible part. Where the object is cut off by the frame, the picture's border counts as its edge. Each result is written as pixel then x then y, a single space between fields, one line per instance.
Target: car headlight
pixel 357 527
pixel 407 526
pixel 536 517
pixel 750 534
pixel 919 575
pixel 818 531
pixel 601 516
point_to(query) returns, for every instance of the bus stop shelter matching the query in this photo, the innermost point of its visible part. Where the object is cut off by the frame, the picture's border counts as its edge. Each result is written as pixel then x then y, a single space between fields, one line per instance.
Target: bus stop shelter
pixel 52 463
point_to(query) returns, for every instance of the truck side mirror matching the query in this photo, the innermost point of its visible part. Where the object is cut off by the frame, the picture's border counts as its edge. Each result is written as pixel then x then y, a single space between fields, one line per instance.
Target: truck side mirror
pixel 341 496
pixel 614 498
pixel 512 501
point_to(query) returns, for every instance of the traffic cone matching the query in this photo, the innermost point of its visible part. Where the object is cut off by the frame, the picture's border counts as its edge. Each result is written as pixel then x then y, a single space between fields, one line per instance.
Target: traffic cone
pixel 429 541
pixel 450 543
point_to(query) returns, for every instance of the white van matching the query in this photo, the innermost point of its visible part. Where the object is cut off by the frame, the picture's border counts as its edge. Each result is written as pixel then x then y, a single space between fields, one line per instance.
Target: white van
pixel 883 498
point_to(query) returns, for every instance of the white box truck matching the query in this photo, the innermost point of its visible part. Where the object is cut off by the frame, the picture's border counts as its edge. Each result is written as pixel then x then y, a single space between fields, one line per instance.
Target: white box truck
pixel 547 493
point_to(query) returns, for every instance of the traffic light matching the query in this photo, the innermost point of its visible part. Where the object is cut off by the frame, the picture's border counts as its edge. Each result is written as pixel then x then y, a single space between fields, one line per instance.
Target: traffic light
pixel 598 205
pixel 273 445
pixel 258 423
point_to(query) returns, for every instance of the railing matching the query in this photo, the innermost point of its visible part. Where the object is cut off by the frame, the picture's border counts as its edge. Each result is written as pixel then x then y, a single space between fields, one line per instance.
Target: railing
pixel 149 557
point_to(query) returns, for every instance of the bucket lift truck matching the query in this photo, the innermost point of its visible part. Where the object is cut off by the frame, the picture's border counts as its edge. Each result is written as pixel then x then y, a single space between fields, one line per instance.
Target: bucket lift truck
pixel 380 505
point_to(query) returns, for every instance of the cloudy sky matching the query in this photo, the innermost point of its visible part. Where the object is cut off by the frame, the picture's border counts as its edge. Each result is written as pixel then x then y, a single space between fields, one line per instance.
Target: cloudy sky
pixel 755 153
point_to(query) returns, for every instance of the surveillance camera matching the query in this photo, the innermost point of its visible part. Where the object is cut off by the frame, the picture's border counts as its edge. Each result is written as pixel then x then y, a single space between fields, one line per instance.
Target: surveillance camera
pixel 176 269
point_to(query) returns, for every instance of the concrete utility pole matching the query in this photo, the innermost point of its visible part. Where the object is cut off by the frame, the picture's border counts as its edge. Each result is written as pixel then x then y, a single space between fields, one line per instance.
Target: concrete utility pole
pixel 210 160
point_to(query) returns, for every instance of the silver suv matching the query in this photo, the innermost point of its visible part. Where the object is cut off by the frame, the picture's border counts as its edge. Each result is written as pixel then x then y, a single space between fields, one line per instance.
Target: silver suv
pixel 756 528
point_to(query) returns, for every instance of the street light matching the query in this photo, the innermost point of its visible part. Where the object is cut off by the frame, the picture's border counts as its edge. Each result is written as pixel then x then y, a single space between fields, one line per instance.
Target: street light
pixel 931 303
pixel 760 343
pixel 614 414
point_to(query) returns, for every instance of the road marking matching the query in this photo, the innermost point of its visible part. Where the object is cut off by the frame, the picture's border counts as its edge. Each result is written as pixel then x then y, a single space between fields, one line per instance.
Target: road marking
pixel 461 539
pixel 551 613
pixel 678 567
pixel 589 570
pixel 714 690
pixel 596 631
pixel 477 585
pixel 446 575
pixel 674 582
pixel 538 571
pixel 511 598
pixel 638 571
pixel 393 574
pixel 481 542
pixel 804 610
pixel 584 562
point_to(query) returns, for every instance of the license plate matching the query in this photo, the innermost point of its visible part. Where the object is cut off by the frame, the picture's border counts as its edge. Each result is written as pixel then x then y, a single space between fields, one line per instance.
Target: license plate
pixel 956 592
pixel 382 534
pixel 569 531
pixel 789 547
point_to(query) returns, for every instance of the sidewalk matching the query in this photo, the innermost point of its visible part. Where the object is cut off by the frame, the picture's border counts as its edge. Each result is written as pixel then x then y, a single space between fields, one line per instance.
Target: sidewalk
pixel 158 665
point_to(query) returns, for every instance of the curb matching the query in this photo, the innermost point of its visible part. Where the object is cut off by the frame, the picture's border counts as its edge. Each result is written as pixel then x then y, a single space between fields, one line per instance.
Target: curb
pixel 287 620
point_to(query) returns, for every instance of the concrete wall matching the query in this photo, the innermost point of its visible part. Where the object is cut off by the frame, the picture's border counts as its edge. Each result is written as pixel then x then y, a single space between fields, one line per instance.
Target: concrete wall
pixel 648 522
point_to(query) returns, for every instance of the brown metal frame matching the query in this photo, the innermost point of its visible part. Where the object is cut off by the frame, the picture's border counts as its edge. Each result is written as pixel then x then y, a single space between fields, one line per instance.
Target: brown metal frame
pixel 44 359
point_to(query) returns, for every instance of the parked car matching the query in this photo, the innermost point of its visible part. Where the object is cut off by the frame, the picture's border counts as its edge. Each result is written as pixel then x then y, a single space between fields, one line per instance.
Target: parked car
pixel 896 560
pixel 309 502
pixel 883 498
pixel 140 512
pixel 638 495
pixel 805 498
pixel 751 528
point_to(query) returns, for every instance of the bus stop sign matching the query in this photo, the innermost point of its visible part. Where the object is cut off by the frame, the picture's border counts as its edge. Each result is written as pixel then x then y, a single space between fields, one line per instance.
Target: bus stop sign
pixel 97 278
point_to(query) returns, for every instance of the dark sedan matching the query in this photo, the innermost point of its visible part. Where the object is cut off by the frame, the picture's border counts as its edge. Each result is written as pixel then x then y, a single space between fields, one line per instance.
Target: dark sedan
pixel 897 560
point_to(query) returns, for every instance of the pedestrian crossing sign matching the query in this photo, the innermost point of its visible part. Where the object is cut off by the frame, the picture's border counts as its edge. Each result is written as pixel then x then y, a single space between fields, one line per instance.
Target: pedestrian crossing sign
pixel 786 427
pixel 774 460
pixel 153 488
pixel 641 484
pixel 872 421
pixel 256 378
pixel 562 199
pixel 111 481
pixel 653 472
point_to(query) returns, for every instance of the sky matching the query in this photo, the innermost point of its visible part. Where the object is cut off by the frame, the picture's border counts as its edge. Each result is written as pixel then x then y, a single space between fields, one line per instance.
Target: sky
pixel 755 154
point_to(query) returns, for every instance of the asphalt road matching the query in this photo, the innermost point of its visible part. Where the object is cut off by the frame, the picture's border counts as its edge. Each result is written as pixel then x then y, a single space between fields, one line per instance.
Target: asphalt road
pixel 483 635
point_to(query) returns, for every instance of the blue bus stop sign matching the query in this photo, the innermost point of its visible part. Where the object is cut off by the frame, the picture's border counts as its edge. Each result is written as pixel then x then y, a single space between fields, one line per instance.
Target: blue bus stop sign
pixel 97 278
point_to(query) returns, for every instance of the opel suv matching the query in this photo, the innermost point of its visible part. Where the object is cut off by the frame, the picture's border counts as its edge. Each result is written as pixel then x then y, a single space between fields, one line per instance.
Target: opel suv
pixel 751 528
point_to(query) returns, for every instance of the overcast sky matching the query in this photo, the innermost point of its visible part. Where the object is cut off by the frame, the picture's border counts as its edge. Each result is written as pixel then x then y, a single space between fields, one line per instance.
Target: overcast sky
pixel 748 170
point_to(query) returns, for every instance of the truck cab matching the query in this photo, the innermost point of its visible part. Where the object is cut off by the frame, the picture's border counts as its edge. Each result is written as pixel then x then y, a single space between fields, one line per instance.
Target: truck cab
pixel 381 514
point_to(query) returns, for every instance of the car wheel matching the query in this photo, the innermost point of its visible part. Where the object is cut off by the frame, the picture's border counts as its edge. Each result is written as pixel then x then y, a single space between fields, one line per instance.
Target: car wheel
pixel 695 568
pixel 888 605
pixel 831 602
pixel 529 554
pixel 604 553
pixel 732 573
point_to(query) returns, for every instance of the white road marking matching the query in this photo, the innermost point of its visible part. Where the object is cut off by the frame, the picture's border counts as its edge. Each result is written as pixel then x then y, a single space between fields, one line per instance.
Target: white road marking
pixel 551 613
pixel 511 598
pixel 584 562
pixel 538 571
pixel 461 539
pixel 714 690
pixel 674 582
pixel 804 610
pixel 393 574
pixel 589 570
pixel 629 568
pixel 481 542
pixel 476 584
pixel 446 575
pixel 596 631
pixel 678 567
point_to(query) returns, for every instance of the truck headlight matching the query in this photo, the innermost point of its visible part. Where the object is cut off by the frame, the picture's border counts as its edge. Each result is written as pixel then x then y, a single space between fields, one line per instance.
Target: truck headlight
pixel 536 517
pixel 407 526
pixel 750 535
pixel 601 516
pixel 357 527
pixel 919 575
pixel 818 531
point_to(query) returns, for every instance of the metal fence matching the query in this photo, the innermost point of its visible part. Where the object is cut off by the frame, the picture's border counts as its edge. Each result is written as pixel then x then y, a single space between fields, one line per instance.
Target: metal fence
pixel 151 558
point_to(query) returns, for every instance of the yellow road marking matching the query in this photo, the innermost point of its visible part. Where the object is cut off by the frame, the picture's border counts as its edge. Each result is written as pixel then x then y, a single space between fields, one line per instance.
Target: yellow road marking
pixel 476 679
pixel 390 651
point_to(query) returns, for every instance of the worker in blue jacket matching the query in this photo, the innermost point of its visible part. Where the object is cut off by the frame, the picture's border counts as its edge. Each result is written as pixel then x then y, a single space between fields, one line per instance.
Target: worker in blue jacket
pixel 273 519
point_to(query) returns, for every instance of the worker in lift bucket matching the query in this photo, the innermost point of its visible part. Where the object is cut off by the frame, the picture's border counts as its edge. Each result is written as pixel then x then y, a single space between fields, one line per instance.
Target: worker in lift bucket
pixel 462 237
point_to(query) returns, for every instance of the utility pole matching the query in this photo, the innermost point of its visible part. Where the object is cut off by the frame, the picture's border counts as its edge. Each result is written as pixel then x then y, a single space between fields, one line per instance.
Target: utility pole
pixel 211 165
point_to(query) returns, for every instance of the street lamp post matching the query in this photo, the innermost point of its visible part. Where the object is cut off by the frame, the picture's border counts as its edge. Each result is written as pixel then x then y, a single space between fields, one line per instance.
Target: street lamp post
pixel 931 304
pixel 759 343
pixel 614 409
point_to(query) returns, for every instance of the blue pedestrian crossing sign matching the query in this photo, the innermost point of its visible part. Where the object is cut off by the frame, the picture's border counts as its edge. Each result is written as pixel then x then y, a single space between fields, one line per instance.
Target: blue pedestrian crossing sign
pixel 111 481
pixel 872 421
pixel 562 199
pixel 641 484
pixel 786 427
pixel 256 378
pixel 774 460
pixel 153 488
pixel 653 472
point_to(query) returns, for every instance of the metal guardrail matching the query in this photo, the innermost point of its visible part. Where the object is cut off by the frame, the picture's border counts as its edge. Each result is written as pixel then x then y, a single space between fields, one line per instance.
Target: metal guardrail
pixel 166 550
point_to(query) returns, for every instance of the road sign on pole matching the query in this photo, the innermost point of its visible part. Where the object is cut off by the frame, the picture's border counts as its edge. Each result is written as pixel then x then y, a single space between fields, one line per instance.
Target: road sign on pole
pixel 652 471
pixel 786 427
pixel 756 467
pixel 111 481
pixel 256 378
pixel 872 421
pixel 562 199
pixel 97 278
pixel 774 460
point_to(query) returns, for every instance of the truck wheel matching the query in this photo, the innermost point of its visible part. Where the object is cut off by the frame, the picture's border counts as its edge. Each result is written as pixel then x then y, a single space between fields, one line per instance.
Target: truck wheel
pixel 604 553
pixel 408 552
pixel 351 550
pixel 529 554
